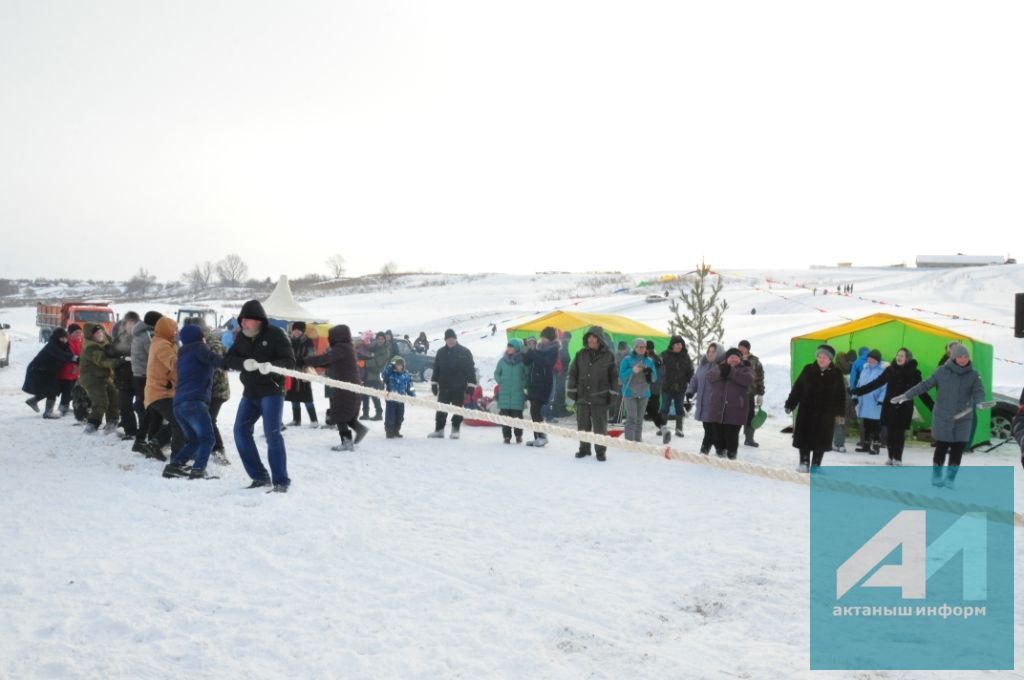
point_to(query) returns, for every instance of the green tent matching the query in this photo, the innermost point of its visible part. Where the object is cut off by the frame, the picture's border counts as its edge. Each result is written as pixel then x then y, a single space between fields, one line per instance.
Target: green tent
pixel 888 333
pixel 615 326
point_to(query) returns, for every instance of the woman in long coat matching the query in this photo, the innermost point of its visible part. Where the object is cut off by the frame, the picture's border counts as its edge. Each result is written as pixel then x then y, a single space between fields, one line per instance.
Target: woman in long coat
pixel 958 392
pixel 512 376
pixel 41 376
pixel 819 399
pixel 341 358
pixel 300 391
pixel 729 383
pixel 698 389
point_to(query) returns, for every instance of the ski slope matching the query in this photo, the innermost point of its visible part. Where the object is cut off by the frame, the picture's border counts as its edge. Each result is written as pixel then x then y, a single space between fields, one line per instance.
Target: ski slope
pixel 419 558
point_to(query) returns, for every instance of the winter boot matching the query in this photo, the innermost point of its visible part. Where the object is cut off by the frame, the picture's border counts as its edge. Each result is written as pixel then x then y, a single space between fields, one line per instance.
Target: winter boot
pixel 294 423
pixel 279 488
pixel 508 440
pixel 679 426
pixel 731 455
pixel 172 470
pixel 50 415
pixel 436 434
pixel 33 404
pixel 875 448
pixel 91 427
pixel 219 457
pixel 749 441
pixel 951 472
pixel 816 458
pixel 360 430
pixel 584 450
pixel 705 450
pixel 201 474
pixel 666 434
pixel 802 467
pixel 936 475
pixel 345 445
pixel 600 454
pixel 377 416
pixel 454 434
pixel 389 434
pixel 110 428
pixel 313 425
pixel 258 483
pixel 64 410
pixel 519 439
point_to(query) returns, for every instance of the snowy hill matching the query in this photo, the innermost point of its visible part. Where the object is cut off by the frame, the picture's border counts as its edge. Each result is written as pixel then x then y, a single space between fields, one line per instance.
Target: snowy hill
pixel 419 558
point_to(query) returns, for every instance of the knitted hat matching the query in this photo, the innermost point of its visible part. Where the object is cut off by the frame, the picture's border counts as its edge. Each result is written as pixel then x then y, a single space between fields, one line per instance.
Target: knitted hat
pixel 639 342
pixel 733 352
pixel 875 354
pixel 516 343
pixel 299 326
pixel 958 350
pixel 827 350
pixel 398 360
pixel 151 318
pixel 58 333
pixel 745 344
pixel 449 334
pixel 73 327
pixel 550 333
pixel 677 339
pixel 190 334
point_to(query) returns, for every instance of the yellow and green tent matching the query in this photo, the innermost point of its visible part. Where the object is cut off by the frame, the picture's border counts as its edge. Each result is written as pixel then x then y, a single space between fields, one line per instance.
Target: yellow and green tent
pixel 615 326
pixel 888 333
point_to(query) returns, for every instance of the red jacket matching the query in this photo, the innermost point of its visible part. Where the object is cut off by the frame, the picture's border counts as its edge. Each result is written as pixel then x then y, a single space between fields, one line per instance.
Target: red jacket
pixel 69 371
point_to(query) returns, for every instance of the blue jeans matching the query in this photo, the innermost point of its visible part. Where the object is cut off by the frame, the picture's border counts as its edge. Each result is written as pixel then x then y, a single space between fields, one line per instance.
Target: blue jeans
pixel 394 414
pixel 249 411
pixel 194 420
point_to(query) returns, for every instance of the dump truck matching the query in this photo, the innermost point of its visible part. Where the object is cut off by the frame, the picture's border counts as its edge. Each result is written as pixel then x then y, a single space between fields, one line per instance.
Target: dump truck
pixel 62 314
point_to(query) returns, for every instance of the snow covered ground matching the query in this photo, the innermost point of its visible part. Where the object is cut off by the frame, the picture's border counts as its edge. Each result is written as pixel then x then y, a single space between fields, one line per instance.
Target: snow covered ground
pixel 419 558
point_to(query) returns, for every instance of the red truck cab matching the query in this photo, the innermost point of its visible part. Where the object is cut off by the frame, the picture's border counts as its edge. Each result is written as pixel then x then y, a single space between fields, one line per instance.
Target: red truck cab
pixel 63 314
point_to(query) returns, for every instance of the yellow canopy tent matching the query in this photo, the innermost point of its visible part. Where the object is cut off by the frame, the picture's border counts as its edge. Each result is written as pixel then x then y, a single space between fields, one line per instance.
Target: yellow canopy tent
pixel 615 327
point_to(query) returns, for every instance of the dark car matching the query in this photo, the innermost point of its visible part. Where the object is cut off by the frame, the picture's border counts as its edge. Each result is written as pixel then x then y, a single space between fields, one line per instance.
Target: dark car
pixel 419 365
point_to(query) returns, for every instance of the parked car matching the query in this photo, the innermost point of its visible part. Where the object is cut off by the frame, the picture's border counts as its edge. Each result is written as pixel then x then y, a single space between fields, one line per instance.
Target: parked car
pixel 5 345
pixel 420 366
pixel 1002 416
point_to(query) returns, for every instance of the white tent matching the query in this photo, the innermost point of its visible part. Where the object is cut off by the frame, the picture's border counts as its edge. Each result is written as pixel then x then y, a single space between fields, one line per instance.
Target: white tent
pixel 281 305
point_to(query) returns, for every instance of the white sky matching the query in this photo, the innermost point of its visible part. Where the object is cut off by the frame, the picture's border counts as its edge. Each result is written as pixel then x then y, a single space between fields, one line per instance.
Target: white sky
pixel 485 136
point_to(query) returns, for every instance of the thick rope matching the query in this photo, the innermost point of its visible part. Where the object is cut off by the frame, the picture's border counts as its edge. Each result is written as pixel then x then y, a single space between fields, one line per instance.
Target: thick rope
pixel 663 450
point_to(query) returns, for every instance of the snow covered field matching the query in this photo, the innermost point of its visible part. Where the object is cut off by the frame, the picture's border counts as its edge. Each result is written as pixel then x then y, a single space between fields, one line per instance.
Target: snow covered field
pixel 419 558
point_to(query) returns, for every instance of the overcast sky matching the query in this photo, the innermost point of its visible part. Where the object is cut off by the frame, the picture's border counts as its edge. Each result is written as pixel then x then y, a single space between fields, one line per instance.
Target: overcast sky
pixel 512 136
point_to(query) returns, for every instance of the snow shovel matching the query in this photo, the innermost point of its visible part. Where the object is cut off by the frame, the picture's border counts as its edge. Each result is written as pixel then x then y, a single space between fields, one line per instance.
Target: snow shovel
pixel 759 418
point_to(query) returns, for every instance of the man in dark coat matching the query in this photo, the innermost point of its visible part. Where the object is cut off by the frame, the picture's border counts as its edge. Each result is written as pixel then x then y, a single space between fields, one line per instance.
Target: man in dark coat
pixel 541 362
pixel 300 391
pixel 41 376
pixel 454 373
pixel 120 347
pixel 592 382
pixel 375 363
pixel 262 395
pixel 677 371
pixel 819 398
pixel 340 360
pixel 756 391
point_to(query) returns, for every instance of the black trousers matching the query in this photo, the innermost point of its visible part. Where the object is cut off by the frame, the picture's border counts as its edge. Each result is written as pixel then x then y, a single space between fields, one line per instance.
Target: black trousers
pixel 165 408
pixel 710 433
pixel 955 451
pixel 809 457
pixel 727 438
pixel 507 431
pixel 654 411
pixel 126 404
pixel 537 415
pixel 66 386
pixel 218 443
pixel 872 430
pixel 895 441
pixel 454 399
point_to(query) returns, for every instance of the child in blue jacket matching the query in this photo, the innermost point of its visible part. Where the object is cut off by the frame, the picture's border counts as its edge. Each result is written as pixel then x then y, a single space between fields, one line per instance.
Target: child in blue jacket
pixel 397 380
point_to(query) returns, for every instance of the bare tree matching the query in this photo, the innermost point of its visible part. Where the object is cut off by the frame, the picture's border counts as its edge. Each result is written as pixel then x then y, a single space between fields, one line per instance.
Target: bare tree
pixel 140 283
pixel 232 270
pixel 336 265
pixel 200 276
pixel 388 273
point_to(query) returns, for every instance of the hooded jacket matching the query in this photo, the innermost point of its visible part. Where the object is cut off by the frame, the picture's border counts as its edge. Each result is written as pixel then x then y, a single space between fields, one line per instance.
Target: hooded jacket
pixel 162 365
pixel 41 374
pixel 142 336
pixel 869 405
pixel 196 363
pixel 698 388
pixel 96 368
pixel 511 375
pixel 270 345
pixel 592 378
pixel 540 362
pixel 340 360
pixel 677 368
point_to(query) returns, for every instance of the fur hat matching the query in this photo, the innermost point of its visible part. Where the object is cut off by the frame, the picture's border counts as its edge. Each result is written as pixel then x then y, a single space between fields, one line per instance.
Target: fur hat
pixel 299 326
pixel 151 318
pixel 449 333
pixel 190 334
pixel 958 350
pixel 550 333
pixel 875 354
pixel 745 344
pixel 732 352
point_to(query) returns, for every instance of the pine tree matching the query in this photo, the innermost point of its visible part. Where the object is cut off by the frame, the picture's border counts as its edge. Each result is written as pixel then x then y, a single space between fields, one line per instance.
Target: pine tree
pixel 698 312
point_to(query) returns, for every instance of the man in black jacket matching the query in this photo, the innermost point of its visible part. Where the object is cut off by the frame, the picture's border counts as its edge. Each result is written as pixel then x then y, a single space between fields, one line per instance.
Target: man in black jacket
pixel 454 373
pixel 678 371
pixel 259 342
pixel 592 382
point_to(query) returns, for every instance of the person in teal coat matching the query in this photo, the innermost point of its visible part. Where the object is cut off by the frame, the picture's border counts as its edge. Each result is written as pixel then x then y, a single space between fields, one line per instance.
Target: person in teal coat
pixel 511 374
pixel 636 373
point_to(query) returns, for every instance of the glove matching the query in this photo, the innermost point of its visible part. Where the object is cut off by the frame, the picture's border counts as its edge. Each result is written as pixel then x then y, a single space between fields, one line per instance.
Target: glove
pixel 411 392
pixel 264 368
pixel 250 365
pixel 898 399
pixel 840 420
pixel 433 388
pixel 986 405
pixel 724 370
pixel 470 389
pixel 126 358
pixel 758 400
pixel 688 406
pixel 789 411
